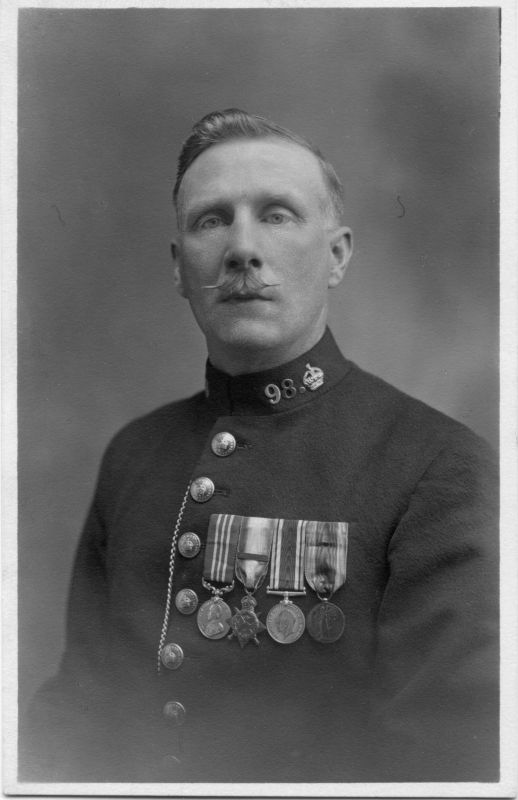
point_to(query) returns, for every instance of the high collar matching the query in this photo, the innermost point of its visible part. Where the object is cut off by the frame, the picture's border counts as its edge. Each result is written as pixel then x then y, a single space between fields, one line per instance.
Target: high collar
pixel 282 388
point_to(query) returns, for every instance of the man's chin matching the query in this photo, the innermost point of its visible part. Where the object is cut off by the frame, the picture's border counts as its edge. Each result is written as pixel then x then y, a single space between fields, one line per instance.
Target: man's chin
pixel 250 334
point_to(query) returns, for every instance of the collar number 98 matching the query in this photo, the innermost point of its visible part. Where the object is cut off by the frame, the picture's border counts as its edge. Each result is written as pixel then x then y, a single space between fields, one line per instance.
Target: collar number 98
pixel 287 391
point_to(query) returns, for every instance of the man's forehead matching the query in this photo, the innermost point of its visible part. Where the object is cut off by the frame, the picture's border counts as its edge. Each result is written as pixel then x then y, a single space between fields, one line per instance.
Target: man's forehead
pixel 268 162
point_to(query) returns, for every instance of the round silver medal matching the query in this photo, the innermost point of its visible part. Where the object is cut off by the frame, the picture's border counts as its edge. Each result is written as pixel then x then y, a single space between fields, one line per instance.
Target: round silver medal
pixel 325 622
pixel 214 618
pixel 285 623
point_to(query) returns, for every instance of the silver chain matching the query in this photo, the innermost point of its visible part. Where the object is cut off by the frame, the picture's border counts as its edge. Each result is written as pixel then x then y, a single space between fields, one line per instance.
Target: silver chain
pixel 172 557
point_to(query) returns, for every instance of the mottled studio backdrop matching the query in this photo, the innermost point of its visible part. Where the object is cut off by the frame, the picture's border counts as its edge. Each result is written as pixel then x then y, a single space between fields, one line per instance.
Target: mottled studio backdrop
pixel 404 102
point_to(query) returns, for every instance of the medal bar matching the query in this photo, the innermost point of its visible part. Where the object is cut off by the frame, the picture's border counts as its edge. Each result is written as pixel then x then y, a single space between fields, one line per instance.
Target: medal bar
pixel 285 621
pixel 252 560
pixel 325 568
pixel 214 615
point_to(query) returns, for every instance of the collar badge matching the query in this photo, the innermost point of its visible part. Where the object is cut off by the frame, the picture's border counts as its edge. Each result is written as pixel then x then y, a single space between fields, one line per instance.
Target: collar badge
pixel 313 377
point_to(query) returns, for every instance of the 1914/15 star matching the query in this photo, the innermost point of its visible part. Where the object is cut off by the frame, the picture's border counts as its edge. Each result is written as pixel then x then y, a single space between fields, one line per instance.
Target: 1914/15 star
pixel 245 623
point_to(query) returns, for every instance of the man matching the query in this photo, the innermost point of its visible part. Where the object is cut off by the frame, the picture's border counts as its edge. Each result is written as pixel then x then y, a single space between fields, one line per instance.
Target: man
pixel 290 576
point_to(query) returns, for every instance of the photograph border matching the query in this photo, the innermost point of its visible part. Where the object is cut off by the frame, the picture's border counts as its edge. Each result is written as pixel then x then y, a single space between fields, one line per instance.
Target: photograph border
pixel 507 786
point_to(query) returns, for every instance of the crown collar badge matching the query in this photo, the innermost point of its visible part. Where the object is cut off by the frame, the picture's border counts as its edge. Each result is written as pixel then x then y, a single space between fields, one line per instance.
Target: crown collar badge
pixel 313 377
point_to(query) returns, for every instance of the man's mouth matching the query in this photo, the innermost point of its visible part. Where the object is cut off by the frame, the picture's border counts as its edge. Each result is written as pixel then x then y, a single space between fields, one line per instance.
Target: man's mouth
pixel 242 287
pixel 244 296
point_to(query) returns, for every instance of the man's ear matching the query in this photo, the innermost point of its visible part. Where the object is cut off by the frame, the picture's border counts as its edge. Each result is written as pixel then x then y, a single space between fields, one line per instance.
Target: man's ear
pixel 341 246
pixel 177 275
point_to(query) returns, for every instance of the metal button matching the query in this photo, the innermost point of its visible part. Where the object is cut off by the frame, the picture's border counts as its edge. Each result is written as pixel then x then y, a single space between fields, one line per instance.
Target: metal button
pixel 186 601
pixel 175 712
pixel 171 656
pixel 202 489
pixel 189 544
pixel 223 444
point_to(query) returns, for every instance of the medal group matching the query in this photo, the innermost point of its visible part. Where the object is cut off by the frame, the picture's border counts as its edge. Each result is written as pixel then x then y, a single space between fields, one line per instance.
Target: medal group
pixel 242 548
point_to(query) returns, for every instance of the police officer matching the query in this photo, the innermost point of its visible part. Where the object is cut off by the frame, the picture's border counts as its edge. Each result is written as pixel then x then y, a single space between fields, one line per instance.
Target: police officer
pixel 290 576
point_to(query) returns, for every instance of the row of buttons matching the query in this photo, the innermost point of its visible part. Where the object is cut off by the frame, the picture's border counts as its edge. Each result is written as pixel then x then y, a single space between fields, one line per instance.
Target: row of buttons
pixel 222 445
pixel 172 658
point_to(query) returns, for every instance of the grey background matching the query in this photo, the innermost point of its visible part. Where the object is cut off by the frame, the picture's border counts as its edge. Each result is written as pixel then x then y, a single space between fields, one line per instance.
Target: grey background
pixel 404 102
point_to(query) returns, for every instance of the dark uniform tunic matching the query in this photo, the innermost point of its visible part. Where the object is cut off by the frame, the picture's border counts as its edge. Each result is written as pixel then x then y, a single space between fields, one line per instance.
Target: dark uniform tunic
pixel 409 692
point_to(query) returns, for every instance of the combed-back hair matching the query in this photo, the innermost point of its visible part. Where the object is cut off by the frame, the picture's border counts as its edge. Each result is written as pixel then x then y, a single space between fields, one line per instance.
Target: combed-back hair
pixel 233 123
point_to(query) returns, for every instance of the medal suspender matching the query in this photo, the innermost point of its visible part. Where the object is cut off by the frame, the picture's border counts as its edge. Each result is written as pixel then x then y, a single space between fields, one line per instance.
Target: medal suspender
pixel 252 559
pixel 325 566
pixel 285 621
pixel 214 615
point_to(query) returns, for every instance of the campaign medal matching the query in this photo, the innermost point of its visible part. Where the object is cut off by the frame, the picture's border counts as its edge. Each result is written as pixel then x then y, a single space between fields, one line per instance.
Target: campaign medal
pixel 245 623
pixel 325 567
pixel 285 621
pixel 252 559
pixel 214 615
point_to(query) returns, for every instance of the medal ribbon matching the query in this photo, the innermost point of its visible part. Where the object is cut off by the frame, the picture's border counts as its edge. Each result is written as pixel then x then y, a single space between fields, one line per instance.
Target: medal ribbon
pixel 220 552
pixel 326 556
pixel 288 548
pixel 253 556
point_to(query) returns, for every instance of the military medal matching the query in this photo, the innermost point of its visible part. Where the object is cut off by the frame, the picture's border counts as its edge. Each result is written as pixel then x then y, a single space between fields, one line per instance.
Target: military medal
pixel 245 623
pixel 252 559
pixel 285 621
pixel 214 615
pixel 325 567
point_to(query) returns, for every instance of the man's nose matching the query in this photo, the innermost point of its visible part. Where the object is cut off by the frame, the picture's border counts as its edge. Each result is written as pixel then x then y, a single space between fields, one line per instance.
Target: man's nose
pixel 243 250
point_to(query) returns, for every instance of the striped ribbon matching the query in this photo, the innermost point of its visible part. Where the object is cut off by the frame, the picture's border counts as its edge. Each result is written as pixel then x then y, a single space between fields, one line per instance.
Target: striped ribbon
pixel 326 556
pixel 288 548
pixel 220 552
pixel 253 556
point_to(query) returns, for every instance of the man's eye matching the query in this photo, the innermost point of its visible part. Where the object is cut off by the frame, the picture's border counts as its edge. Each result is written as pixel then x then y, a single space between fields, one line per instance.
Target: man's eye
pixel 277 218
pixel 209 223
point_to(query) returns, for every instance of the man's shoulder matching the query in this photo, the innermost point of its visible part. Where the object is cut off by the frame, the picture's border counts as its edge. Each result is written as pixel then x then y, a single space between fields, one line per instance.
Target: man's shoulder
pixel 379 405
pixel 146 432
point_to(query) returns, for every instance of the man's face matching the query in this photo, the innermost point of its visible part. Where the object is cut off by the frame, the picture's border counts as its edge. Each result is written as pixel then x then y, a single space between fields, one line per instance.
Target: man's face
pixel 255 220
